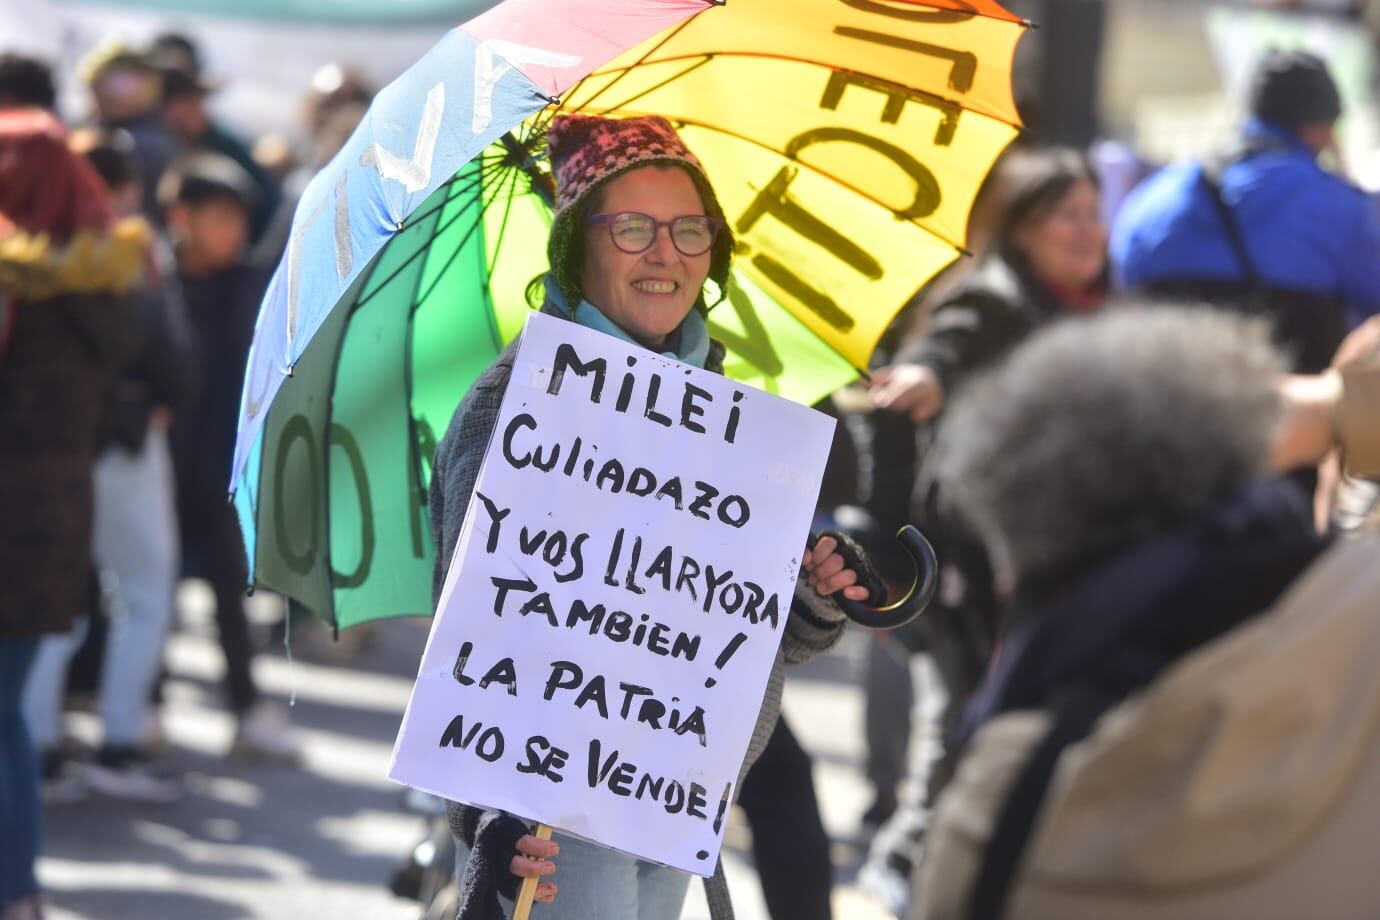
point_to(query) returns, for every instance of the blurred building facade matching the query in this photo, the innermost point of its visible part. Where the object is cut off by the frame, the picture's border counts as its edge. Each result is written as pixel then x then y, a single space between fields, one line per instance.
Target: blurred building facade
pixel 1167 77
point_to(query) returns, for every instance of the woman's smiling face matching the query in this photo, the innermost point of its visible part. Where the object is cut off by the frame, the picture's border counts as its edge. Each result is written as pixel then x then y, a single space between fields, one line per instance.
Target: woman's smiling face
pixel 647 294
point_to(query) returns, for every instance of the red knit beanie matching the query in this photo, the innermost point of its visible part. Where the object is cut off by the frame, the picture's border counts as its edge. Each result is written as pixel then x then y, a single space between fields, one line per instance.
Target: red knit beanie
pixel 588 150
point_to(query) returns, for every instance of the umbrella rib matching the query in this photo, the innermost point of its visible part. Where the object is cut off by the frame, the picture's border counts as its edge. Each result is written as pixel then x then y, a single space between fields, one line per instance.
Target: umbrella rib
pixel 455 191
pixel 450 260
pixel 498 245
pixel 511 180
pixel 412 258
pixel 506 189
pixel 414 454
pixel 649 52
pixel 536 131
pixel 498 177
pixel 543 120
pixel 416 216
pixel 486 169
pixel 703 59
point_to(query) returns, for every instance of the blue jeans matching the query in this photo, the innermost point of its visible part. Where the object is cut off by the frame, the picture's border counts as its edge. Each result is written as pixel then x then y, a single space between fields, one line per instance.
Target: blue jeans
pixel 134 544
pixel 594 881
pixel 19 809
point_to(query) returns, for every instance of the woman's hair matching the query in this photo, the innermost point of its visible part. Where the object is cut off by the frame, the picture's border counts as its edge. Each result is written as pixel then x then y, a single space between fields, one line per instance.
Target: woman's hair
pixel 1033 182
pixel 575 252
pixel 45 187
pixel 720 256
pixel 1099 433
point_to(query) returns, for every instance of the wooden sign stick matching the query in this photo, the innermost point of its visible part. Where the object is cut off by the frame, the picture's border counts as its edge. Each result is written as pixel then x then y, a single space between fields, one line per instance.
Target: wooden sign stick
pixel 529 884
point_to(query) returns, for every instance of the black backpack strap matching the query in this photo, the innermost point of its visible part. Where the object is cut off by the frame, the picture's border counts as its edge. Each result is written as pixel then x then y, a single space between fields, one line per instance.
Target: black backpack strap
pixel 1075 713
pixel 1213 169
pixel 1212 180
pixel 1307 324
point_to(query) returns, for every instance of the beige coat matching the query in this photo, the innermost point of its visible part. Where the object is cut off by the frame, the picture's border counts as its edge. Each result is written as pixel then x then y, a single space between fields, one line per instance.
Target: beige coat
pixel 1244 784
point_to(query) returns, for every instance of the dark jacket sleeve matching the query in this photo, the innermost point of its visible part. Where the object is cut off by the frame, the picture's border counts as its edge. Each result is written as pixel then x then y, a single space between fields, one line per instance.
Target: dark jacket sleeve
pixel 163 363
pixel 965 334
pixel 455 470
pixel 815 625
pixel 458 459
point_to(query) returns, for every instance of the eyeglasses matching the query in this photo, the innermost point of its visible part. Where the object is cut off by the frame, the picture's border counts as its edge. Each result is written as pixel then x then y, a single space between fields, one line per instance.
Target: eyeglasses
pixel 634 232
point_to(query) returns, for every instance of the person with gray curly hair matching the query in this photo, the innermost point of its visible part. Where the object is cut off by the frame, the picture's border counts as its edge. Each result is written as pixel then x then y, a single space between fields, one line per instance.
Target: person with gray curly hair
pixel 1091 440
pixel 1182 713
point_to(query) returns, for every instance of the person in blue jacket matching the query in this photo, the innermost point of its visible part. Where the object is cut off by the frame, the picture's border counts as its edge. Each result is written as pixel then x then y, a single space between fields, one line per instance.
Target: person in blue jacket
pixel 1263 226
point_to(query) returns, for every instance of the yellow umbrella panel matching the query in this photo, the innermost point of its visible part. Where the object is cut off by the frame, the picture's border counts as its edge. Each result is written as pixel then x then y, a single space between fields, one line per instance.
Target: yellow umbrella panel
pixel 846 139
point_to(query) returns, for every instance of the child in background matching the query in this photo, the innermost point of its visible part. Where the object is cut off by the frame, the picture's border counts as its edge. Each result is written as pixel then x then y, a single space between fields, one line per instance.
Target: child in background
pixel 206 201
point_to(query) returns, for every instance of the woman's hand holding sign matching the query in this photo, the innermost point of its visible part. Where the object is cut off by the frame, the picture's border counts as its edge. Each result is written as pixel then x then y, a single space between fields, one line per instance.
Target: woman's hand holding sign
pixel 533 861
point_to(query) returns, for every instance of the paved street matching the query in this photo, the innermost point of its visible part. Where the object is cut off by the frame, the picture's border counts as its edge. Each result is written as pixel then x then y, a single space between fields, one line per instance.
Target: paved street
pixel 321 840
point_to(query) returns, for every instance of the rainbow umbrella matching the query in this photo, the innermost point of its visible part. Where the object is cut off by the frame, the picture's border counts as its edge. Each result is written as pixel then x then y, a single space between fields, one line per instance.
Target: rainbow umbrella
pixel 846 140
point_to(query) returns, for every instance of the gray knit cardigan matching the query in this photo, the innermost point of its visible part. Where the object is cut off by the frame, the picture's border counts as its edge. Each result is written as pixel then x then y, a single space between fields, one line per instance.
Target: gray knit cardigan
pixel 814 626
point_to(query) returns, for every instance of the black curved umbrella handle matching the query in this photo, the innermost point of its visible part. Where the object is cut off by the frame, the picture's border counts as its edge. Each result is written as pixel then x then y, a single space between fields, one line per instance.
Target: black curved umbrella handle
pixel 914 602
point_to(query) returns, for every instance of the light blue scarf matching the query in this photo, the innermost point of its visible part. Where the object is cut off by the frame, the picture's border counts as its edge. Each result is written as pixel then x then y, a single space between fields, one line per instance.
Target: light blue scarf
pixel 691 336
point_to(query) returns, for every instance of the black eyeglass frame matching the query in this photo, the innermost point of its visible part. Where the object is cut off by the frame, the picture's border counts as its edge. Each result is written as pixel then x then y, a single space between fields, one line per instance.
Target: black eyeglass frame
pixel 716 224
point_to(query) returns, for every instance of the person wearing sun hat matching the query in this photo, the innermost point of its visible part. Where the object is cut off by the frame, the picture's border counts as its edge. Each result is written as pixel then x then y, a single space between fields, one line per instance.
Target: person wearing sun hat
pixel 619 183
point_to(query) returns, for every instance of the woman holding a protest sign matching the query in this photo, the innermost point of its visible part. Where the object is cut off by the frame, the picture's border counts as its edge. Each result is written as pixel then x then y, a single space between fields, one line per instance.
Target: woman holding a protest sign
pixel 619 183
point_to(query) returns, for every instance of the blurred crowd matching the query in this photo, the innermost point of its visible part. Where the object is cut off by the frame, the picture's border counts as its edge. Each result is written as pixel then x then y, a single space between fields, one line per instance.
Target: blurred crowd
pixel 138 242
pixel 1065 415
pixel 1095 468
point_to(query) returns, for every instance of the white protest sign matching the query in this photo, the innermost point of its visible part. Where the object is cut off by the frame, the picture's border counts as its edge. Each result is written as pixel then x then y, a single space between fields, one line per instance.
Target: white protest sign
pixel 616 598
